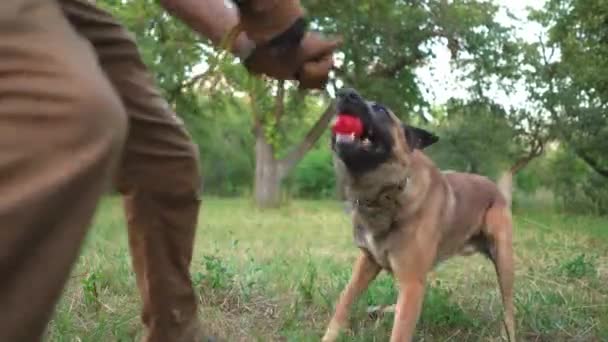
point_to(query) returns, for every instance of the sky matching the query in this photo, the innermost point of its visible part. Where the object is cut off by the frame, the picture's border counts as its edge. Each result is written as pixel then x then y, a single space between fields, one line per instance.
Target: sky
pixel 437 79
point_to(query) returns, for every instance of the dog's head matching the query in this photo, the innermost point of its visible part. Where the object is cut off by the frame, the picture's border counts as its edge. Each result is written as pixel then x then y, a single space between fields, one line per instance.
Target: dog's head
pixel 383 136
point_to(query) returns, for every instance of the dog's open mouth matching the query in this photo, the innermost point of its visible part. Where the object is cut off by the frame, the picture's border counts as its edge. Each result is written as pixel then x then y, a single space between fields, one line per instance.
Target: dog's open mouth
pixel 354 130
pixel 350 129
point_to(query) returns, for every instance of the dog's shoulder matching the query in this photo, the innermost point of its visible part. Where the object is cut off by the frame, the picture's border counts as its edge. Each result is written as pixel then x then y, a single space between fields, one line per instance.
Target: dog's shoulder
pixel 465 176
pixel 471 186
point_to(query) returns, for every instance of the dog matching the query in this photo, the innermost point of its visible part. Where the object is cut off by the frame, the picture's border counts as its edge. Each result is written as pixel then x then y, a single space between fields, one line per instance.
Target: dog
pixel 408 216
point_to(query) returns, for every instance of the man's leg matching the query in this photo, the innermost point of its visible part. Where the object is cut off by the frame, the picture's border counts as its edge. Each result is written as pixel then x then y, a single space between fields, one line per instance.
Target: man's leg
pixel 62 128
pixel 159 178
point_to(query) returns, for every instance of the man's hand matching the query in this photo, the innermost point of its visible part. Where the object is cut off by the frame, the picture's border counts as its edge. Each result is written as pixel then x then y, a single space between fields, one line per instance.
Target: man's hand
pixel 274 39
pixel 309 62
pixel 284 47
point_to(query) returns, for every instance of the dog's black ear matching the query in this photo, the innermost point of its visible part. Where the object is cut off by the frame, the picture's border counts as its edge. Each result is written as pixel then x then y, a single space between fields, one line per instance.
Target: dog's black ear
pixel 418 138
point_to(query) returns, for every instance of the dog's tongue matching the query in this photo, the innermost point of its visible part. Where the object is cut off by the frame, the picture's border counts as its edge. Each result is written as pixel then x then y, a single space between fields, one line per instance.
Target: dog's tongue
pixel 347 125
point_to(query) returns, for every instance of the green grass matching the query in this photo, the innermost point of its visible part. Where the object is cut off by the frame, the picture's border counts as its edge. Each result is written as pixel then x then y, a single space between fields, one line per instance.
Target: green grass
pixel 274 275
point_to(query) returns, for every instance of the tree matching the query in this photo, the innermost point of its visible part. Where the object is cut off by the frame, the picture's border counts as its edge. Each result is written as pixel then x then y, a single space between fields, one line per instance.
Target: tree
pixel 387 41
pixel 475 136
pixel 169 48
pixel 285 122
pixel 272 130
pixel 576 89
pixel 497 61
pixel 173 51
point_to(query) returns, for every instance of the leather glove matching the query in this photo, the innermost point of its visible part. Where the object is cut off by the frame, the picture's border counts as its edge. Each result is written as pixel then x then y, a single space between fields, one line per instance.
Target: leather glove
pixel 284 47
pixel 263 20
pixel 309 62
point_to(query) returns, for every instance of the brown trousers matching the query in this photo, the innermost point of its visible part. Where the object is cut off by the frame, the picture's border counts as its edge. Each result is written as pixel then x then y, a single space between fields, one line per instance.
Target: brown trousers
pixel 100 118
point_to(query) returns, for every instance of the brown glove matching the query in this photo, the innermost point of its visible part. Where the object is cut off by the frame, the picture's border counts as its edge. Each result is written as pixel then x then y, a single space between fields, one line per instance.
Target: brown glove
pixel 284 48
pixel 317 60
pixel 309 62
pixel 264 20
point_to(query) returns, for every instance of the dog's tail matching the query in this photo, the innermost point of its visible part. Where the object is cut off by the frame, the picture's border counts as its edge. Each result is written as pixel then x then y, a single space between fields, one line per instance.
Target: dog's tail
pixel 505 186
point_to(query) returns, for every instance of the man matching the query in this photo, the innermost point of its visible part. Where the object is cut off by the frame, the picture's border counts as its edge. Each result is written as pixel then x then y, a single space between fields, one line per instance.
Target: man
pixel 100 118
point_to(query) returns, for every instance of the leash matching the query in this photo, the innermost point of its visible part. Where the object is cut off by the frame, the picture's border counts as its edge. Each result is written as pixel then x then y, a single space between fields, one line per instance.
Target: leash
pixel 226 44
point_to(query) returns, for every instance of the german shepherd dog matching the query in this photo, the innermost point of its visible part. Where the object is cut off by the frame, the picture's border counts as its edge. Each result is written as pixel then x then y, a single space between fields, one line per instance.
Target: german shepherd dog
pixel 408 216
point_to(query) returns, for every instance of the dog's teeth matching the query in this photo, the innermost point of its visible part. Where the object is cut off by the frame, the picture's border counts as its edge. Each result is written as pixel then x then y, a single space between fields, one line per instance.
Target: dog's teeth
pixel 345 137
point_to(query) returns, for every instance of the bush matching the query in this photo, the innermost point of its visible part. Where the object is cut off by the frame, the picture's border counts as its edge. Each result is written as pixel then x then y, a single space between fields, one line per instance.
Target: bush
pixel 314 177
pixel 226 146
pixel 577 188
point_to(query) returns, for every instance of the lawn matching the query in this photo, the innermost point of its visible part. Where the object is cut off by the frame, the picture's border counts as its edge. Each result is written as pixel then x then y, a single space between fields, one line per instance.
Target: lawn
pixel 274 276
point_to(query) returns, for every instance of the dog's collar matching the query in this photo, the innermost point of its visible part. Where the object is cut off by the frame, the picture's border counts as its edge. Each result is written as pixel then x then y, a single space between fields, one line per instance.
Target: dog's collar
pixel 400 186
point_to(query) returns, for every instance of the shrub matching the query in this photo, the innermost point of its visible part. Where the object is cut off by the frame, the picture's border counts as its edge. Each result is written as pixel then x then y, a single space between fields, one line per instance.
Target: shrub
pixel 577 188
pixel 314 177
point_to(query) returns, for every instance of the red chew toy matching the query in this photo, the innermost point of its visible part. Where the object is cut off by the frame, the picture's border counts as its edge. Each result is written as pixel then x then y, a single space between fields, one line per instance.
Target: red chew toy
pixel 348 124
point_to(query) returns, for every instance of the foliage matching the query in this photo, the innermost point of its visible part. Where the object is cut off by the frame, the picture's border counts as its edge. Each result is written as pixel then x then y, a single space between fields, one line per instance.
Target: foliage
pixel 168 47
pixel 532 178
pixel 575 79
pixel 386 41
pixel 218 125
pixel 314 177
pixel 474 137
pixel 385 44
pixel 577 188
pixel 226 146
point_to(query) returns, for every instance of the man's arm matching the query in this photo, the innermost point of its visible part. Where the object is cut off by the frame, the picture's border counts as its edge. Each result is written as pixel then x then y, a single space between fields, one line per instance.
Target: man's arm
pixel 212 19
pixel 274 40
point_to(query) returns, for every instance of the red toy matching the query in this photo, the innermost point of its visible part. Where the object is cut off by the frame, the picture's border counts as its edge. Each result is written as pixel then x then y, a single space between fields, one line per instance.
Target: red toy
pixel 348 124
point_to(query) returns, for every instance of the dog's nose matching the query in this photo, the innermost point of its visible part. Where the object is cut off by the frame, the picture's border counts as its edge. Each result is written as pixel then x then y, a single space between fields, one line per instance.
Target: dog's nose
pixel 348 94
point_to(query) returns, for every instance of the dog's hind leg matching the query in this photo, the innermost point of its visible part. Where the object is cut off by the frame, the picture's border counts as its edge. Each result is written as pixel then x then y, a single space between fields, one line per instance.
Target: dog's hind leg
pixel 499 232
pixel 364 271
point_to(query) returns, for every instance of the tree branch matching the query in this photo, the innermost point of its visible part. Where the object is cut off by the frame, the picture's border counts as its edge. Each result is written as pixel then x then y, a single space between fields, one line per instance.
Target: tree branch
pixel 537 138
pixel 279 104
pixel 400 63
pixel 523 161
pixel 195 79
pixel 592 163
pixel 287 163
pixel 386 71
pixel 175 92
pixel 257 124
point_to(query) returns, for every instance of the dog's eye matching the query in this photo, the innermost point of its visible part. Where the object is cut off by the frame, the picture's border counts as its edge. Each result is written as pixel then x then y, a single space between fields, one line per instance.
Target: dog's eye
pixel 379 108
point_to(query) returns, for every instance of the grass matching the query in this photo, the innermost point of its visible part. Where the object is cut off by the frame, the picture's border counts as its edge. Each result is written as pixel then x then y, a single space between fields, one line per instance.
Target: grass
pixel 274 276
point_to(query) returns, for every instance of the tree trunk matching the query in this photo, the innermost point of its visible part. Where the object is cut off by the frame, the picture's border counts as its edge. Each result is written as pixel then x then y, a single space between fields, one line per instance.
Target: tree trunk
pixel 267 174
pixel 535 152
pixel 270 172
pixel 520 164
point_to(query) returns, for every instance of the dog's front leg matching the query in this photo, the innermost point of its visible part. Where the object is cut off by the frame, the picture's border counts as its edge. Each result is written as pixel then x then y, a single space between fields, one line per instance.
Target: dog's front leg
pixel 410 267
pixel 364 271
pixel 407 310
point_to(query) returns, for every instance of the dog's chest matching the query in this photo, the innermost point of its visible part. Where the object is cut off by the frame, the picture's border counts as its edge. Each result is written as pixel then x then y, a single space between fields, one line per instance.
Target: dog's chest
pixel 374 244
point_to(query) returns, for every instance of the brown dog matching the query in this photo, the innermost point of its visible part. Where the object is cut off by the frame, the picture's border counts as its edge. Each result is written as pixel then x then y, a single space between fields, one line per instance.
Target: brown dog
pixel 408 216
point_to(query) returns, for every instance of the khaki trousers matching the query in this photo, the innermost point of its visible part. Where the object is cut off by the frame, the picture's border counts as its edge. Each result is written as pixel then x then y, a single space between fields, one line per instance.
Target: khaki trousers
pixel 78 111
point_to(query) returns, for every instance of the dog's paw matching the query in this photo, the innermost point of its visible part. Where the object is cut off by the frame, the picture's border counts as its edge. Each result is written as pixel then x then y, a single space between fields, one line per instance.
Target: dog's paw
pixel 332 333
pixel 376 312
